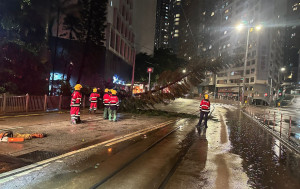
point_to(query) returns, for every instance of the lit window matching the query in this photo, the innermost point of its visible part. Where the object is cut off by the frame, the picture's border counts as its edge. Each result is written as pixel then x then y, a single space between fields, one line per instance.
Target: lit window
pixel 204 13
pixel 176 23
pixel 111 3
pixel 227 11
pixel 226 17
pixel 295 8
pixel 212 14
pixel 225 32
pixel 176 19
pixel 228 45
pixel 210 46
pixel 176 31
pixel 178 0
pixel 177 15
pixel 176 35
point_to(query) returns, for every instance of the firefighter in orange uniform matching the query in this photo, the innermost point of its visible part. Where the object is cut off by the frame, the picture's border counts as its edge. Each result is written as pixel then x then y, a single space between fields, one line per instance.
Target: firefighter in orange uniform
pixel 94 99
pixel 204 110
pixel 75 104
pixel 114 105
pixel 106 100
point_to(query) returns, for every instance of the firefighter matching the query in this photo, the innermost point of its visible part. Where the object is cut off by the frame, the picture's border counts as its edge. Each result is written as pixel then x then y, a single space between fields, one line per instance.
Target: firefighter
pixel 106 100
pixel 204 110
pixel 114 104
pixel 93 99
pixel 75 104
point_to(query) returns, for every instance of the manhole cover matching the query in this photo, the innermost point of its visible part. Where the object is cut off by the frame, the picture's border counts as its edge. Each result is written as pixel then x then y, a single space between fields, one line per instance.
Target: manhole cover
pixel 38 155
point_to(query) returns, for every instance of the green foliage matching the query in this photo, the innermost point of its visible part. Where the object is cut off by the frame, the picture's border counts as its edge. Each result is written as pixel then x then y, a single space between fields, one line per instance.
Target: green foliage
pixel 92 21
pixel 21 71
pixel 174 84
pixel 88 27
pixel 86 90
pixel 66 88
pixel 163 59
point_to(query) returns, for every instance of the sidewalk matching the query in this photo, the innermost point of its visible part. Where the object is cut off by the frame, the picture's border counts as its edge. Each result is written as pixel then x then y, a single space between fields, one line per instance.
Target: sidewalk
pixel 64 137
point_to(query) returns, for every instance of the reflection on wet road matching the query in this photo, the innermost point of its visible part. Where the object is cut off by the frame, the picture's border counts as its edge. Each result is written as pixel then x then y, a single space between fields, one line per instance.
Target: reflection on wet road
pixel 267 163
pixel 233 152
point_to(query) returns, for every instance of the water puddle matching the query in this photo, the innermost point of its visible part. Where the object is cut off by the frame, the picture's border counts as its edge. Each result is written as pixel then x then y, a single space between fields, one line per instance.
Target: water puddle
pixel 267 163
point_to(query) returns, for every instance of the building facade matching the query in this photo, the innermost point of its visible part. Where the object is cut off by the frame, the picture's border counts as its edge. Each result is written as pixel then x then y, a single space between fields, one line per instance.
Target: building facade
pixel 120 38
pixel 258 71
pixel 162 26
pixel 115 59
pixel 292 41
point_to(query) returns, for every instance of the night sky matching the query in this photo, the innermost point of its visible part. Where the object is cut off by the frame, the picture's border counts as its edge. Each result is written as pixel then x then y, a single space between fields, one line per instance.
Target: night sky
pixel 144 25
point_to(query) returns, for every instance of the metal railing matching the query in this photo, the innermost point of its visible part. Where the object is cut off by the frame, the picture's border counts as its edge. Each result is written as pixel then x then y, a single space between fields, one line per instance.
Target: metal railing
pixel 28 103
pixel 281 124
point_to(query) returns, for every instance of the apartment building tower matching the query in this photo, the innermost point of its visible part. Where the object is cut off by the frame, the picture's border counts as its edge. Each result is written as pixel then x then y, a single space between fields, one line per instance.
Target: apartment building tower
pixel 264 56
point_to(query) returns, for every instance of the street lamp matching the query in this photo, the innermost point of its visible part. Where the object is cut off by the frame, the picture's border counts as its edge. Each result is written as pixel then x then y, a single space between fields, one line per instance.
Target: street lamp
pixel 239 27
pixel 184 71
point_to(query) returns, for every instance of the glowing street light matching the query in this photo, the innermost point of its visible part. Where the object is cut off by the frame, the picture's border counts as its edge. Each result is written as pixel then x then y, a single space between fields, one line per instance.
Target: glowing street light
pixel 282 69
pixel 249 29
pixel 184 71
pixel 239 27
pixel 258 27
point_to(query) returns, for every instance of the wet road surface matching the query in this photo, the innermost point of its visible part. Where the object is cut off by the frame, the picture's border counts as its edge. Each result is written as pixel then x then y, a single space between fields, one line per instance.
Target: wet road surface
pixel 233 153
pixel 266 161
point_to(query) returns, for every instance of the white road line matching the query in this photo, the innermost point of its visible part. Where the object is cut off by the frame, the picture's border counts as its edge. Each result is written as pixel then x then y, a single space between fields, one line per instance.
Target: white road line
pixel 7 176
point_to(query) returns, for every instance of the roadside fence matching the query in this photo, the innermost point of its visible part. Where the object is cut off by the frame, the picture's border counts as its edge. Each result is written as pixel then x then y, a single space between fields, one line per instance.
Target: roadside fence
pixel 281 124
pixel 31 103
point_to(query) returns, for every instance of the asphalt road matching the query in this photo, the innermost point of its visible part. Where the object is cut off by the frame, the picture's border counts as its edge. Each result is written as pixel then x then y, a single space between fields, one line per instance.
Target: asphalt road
pixel 234 152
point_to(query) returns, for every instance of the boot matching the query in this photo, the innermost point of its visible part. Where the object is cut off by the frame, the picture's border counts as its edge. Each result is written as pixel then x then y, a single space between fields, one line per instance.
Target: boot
pixel 73 121
pixel 78 120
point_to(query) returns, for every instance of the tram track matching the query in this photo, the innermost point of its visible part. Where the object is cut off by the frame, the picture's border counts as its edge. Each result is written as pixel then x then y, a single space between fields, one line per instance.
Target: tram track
pixel 185 145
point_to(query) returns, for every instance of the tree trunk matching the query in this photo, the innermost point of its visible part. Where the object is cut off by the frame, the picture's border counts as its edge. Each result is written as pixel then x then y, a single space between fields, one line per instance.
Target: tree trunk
pixel 87 41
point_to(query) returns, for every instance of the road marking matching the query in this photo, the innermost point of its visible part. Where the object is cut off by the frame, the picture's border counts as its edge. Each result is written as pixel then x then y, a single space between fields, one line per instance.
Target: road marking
pixel 138 133
pixel 27 115
pixel 10 175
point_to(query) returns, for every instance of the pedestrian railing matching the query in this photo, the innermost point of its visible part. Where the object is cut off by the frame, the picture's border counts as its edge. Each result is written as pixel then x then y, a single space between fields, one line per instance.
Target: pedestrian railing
pixel 283 125
pixel 29 103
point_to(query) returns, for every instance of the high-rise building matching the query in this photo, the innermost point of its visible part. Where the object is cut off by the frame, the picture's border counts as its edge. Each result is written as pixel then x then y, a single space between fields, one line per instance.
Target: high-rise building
pixel 120 37
pixel 162 28
pixel 178 26
pixel 262 50
pixel 292 41
pixel 112 61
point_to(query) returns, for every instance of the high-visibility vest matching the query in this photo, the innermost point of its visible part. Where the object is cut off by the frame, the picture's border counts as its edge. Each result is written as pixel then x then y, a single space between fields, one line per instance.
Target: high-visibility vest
pixel 94 97
pixel 114 101
pixel 76 99
pixel 106 99
pixel 205 106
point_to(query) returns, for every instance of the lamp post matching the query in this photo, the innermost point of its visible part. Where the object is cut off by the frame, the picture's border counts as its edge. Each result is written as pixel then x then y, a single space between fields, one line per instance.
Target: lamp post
pixel 249 28
pixel 149 70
